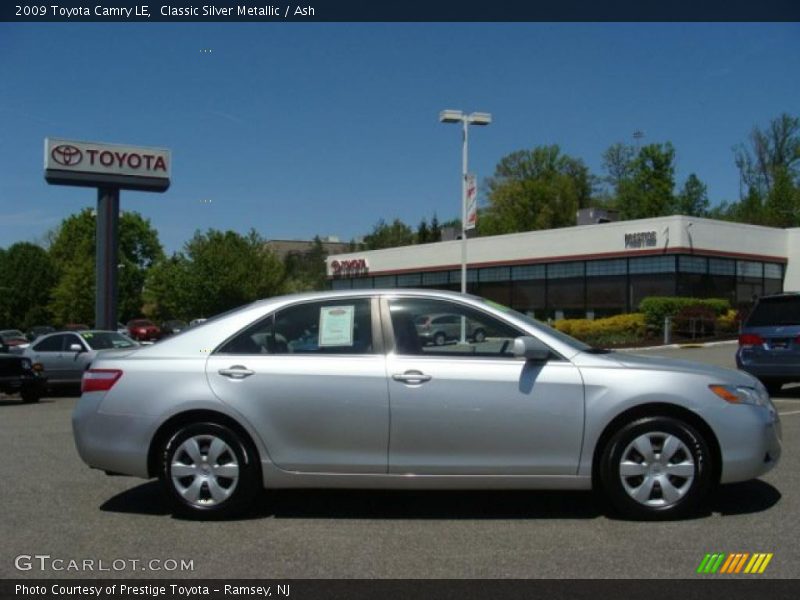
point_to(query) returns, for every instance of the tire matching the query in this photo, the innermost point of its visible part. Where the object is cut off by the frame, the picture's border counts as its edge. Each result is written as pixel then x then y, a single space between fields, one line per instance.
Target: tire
pixel 479 336
pixel 209 471
pixel 773 387
pixel 439 339
pixel 656 488
pixel 30 396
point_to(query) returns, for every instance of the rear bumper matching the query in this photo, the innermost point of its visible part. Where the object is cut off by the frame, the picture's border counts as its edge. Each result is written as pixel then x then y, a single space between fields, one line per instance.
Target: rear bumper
pixel 111 442
pixel 783 368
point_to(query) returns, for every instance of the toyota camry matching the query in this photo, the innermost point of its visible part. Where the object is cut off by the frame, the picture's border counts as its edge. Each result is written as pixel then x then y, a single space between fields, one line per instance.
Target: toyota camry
pixel 338 389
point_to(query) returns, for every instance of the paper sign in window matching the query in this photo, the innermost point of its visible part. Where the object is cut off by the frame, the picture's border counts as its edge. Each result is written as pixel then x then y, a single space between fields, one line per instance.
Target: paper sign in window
pixel 336 325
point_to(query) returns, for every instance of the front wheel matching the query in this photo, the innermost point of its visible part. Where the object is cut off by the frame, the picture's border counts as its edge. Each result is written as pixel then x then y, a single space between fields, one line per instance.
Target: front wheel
pixel 209 472
pixel 656 468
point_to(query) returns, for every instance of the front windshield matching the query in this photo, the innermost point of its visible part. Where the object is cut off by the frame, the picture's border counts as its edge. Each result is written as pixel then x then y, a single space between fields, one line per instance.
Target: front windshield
pixel 560 336
pixel 107 340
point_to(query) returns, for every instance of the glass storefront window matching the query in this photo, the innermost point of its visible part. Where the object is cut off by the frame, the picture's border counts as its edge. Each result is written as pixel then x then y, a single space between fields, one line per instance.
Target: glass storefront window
pixel 494 274
pixel 435 278
pixel 525 272
pixel 409 280
pixel 721 266
pixel 565 269
pixel 385 281
pixel 596 268
pixel 692 264
pixel 652 264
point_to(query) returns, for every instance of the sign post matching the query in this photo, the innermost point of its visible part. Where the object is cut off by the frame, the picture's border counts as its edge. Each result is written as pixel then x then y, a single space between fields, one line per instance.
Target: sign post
pixel 109 168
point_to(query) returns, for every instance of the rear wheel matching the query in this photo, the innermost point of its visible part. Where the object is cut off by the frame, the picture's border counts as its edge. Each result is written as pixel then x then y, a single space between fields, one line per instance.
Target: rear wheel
pixel 439 339
pixel 479 335
pixel 656 468
pixel 209 471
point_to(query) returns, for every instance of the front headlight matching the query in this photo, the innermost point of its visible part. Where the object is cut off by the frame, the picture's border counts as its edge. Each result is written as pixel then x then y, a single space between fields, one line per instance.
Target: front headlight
pixel 741 394
pixel 26 364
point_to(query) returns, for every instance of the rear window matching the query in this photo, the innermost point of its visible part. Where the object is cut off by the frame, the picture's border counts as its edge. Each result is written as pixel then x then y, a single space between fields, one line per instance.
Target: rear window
pixel 780 310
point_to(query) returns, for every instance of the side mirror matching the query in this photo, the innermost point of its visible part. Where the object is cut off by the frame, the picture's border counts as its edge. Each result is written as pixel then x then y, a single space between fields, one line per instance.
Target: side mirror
pixel 530 348
pixel 75 348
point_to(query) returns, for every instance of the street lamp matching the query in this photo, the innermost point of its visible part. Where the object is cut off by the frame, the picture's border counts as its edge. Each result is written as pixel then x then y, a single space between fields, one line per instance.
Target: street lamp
pixel 476 118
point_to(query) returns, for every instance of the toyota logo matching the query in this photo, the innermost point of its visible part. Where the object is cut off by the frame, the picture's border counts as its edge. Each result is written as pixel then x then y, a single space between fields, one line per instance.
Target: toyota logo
pixel 66 155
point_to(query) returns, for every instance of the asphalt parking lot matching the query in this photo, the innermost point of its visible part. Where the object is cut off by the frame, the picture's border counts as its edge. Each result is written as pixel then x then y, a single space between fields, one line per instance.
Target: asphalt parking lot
pixel 54 505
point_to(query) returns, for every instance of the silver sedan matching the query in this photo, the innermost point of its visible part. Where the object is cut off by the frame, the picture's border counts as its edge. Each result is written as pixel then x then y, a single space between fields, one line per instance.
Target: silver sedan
pixel 336 389
pixel 65 355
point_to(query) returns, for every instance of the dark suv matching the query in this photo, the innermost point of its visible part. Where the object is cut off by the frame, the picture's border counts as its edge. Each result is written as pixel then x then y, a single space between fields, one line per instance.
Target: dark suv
pixel 769 343
pixel 17 376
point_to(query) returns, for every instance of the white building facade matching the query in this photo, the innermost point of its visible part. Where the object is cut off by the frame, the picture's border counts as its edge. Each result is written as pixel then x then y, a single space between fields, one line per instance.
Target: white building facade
pixel 592 270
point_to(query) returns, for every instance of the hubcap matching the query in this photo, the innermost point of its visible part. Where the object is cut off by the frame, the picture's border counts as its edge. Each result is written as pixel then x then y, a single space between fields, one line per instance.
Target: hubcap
pixel 204 470
pixel 657 469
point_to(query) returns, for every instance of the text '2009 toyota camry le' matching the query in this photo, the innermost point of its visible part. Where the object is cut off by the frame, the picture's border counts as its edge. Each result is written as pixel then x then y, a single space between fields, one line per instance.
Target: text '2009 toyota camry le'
pixel 342 389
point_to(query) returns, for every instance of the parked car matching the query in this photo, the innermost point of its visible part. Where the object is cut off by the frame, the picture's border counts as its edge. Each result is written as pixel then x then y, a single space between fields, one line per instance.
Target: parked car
pixel 17 376
pixel 439 329
pixel 224 409
pixel 38 331
pixel 143 330
pixel 64 356
pixel 196 322
pixel 769 342
pixel 13 341
pixel 173 326
pixel 75 327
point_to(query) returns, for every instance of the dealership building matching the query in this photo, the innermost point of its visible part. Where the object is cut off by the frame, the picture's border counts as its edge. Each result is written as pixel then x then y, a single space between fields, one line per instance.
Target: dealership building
pixel 592 270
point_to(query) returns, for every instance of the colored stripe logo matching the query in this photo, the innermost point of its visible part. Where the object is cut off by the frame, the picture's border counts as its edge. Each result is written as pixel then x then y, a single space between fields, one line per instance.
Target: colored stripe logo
pixel 735 563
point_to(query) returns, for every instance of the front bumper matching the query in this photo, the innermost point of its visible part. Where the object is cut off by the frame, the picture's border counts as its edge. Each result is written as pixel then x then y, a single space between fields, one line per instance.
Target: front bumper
pixel 750 442
pixel 111 442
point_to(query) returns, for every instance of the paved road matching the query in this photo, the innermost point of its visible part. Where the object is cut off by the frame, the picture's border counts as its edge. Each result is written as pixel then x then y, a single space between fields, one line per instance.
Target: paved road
pixel 52 504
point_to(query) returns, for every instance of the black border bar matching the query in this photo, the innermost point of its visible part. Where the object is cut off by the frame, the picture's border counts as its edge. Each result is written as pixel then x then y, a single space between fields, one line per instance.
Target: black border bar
pixel 405 11
pixel 748 587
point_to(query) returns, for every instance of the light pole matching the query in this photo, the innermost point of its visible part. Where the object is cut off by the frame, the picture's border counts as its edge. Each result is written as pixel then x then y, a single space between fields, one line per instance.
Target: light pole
pixel 476 118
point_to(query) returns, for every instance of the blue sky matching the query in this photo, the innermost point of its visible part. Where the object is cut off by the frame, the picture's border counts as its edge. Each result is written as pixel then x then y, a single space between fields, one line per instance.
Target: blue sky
pixel 303 129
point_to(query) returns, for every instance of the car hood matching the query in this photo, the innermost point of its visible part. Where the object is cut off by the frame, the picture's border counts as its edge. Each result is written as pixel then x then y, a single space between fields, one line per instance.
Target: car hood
pixel 658 363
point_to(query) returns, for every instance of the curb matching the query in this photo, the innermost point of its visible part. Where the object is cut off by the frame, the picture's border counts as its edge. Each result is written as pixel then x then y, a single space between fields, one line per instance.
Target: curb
pixel 681 346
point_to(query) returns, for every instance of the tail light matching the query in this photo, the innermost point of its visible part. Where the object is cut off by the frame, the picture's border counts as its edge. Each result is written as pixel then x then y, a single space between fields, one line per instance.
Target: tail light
pixel 750 339
pixel 99 380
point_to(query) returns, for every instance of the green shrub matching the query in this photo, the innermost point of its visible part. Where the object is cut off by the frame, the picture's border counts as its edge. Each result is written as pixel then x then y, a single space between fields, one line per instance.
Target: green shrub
pixel 655 308
pixel 611 331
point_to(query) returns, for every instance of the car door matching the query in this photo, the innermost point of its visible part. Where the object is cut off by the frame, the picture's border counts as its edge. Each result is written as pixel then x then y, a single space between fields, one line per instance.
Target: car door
pixel 311 379
pixel 74 361
pixel 474 408
pixel 49 352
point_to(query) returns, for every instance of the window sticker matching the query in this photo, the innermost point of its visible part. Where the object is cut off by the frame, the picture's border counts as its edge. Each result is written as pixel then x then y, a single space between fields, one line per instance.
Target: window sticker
pixel 336 325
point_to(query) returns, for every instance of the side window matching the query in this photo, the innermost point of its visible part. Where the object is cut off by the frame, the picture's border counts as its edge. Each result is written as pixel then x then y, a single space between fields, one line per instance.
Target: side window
pixel 419 331
pixel 52 344
pixel 327 327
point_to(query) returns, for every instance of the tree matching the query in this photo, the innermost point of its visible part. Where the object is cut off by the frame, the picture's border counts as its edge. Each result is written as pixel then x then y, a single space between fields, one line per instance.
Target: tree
pixel 693 198
pixel 618 163
pixel 535 189
pixel 72 249
pixel 423 233
pixel 771 151
pixel 28 275
pixel 217 271
pixel 648 190
pixel 389 236
pixel 436 230
pixel 305 271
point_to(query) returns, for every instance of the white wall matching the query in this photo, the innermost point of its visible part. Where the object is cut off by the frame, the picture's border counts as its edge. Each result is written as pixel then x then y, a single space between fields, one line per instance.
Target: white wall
pixel 576 242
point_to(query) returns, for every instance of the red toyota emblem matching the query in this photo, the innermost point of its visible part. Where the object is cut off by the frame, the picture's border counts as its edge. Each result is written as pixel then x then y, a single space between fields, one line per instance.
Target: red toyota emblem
pixel 66 155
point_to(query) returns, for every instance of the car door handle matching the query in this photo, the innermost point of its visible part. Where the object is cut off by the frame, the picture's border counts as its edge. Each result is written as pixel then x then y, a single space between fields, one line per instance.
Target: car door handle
pixel 236 372
pixel 411 377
